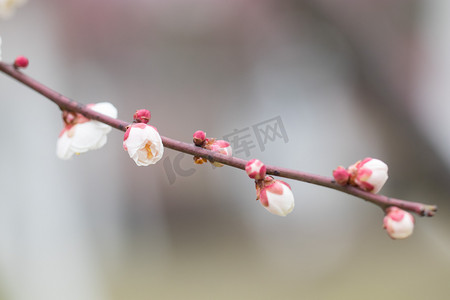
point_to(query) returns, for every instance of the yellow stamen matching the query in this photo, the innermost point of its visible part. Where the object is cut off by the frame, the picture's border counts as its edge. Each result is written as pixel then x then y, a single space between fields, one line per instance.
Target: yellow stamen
pixel 149 151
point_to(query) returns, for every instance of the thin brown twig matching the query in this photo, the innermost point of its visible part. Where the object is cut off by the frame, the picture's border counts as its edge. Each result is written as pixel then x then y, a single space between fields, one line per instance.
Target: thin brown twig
pixel 67 104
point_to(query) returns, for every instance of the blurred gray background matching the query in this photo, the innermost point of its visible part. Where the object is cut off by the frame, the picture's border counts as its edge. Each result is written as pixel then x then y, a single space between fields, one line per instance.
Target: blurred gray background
pixel 348 79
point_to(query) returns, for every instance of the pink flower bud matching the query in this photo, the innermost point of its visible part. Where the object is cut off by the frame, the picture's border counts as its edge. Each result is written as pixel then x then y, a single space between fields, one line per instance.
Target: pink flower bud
pixel 276 196
pixel 142 116
pixel 199 138
pixel 220 146
pixel 369 174
pixel 398 223
pixel 255 169
pixel 144 144
pixel 21 62
pixel 341 175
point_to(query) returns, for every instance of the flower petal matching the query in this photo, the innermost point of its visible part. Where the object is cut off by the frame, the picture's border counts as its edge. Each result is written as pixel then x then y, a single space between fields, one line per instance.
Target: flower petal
pixel 88 136
pixel 63 150
pixel 105 108
pixel 282 203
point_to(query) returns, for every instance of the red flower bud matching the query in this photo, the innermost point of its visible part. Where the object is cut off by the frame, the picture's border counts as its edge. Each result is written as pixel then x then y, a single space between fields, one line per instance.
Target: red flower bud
pixel 199 138
pixel 142 116
pixel 21 62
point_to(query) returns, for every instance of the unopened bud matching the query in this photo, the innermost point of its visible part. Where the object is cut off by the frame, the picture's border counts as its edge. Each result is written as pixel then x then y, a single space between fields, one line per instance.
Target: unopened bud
pixel 276 196
pixel 255 169
pixel 21 62
pixel 142 116
pixel 199 138
pixel 341 175
pixel 399 224
pixel 369 174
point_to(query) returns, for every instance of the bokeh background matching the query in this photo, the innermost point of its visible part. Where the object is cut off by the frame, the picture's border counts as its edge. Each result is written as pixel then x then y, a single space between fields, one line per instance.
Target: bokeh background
pixel 348 79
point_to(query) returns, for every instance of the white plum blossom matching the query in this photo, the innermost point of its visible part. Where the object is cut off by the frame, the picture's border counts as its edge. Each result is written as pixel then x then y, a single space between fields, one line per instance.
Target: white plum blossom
pixel 399 224
pixel 369 174
pixel 81 134
pixel 8 7
pixel 144 144
pixel 276 196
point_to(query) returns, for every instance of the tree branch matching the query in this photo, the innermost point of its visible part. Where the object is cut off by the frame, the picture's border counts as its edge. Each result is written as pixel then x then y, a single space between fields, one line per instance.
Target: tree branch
pixel 67 104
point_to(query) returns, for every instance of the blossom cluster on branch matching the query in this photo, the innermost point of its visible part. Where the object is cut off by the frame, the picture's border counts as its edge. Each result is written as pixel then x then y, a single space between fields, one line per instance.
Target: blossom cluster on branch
pixel 144 145
pixel 370 175
pixel 86 128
